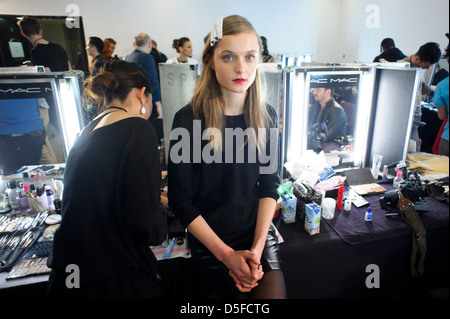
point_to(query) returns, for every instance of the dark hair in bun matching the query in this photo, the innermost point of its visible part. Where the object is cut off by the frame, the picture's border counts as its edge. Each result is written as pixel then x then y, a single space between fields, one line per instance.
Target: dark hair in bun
pixel 115 81
pixel 179 43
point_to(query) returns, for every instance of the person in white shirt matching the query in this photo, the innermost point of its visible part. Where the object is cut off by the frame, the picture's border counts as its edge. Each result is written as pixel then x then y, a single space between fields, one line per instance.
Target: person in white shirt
pixel 183 46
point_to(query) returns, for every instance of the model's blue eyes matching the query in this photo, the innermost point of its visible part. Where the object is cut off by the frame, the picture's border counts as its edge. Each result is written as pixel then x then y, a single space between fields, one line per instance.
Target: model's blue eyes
pixel 248 58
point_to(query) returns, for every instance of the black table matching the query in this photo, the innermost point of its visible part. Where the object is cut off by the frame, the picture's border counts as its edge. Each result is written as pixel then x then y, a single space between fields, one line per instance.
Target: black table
pixel 324 266
pixel 318 266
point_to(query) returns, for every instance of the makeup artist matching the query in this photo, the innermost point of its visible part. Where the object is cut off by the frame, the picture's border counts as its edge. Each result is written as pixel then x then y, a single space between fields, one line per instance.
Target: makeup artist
pixel 111 202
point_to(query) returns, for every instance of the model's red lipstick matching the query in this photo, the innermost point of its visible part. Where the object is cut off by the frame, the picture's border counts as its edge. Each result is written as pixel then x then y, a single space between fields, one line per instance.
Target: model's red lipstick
pixel 239 81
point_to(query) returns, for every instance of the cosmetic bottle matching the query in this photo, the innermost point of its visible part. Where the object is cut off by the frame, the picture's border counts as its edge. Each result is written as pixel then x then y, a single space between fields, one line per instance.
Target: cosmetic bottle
pixel 397 179
pixel 11 191
pixel 22 200
pixel 50 197
pixel 368 215
pixel 347 205
pixel 41 198
pixel 5 206
pixel 340 198
pixel 2 182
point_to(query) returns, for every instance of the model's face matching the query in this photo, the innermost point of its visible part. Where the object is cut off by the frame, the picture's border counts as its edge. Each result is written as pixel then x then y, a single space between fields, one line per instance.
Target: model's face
pixel 186 49
pixel 235 61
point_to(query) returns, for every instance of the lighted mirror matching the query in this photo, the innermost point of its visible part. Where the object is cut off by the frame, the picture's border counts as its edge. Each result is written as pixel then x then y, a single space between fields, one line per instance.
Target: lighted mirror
pixel 35 93
pixel 334 100
pixel 327 109
pixel 58 94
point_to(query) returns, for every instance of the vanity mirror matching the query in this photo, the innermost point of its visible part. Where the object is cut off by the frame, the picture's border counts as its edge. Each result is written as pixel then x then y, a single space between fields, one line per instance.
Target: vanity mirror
pixel 350 112
pixel 326 109
pixel 61 90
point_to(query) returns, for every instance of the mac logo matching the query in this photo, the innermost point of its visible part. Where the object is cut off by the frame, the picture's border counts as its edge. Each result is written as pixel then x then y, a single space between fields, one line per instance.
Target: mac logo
pixel 336 80
pixel 344 80
pixel 25 90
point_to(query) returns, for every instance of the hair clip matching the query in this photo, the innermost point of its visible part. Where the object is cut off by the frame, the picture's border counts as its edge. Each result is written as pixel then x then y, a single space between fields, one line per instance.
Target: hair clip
pixel 216 31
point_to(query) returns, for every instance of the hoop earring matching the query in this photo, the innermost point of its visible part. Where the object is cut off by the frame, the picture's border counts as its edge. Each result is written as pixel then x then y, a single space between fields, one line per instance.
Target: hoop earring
pixel 143 110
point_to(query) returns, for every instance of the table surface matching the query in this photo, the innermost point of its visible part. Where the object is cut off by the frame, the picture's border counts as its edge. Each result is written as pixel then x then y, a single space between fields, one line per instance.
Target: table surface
pixel 324 266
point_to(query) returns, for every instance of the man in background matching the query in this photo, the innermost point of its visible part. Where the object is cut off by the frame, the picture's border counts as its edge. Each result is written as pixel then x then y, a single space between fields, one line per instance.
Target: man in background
pixel 54 58
pixel 109 48
pixel 51 55
pixel 94 48
pixel 427 55
pixel 142 57
pixel 389 52
pixel 327 111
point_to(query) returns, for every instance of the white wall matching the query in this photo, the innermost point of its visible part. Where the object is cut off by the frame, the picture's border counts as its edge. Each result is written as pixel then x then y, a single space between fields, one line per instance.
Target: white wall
pixel 331 30
pixel 410 23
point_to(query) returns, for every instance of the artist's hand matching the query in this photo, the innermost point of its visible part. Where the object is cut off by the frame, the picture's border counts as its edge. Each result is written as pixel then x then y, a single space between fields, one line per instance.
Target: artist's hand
pixel 238 262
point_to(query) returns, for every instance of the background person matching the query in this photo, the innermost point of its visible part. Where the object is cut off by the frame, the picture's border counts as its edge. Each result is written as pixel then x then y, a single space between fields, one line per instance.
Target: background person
pixel 54 58
pixel 327 110
pixel 389 52
pixel 441 101
pixel 51 55
pixel 109 48
pixel 94 48
pixel 158 56
pixel 142 57
pixel 266 57
pixel 183 46
pixel 427 55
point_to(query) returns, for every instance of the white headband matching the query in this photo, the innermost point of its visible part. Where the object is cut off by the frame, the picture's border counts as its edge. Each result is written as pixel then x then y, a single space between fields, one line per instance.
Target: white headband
pixel 216 31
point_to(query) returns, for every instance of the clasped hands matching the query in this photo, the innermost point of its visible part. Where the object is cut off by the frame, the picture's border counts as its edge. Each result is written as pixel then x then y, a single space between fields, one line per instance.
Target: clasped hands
pixel 245 269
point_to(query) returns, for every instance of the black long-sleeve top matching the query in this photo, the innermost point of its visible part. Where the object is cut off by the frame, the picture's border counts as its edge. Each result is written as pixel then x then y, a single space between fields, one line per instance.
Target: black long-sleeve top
pixel 111 203
pixel 226 195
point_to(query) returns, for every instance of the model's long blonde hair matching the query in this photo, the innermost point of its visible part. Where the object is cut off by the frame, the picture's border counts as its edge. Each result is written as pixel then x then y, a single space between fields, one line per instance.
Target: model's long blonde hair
pixel 208 99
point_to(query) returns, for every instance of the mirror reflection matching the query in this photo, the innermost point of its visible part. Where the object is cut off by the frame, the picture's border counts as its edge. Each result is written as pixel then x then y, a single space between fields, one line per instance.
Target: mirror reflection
pixel 30 125
pixel 40 115
pixel 332 111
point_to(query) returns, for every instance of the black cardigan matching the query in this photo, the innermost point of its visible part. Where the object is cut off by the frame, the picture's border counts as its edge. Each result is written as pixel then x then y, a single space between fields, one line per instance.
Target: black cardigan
pixel 225 194
pixel 111 209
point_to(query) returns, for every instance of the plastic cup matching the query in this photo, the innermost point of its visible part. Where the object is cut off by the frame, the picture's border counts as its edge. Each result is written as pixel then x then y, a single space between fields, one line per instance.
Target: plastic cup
pixel 328 207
